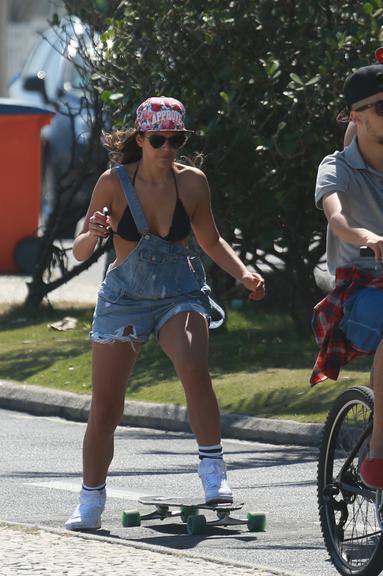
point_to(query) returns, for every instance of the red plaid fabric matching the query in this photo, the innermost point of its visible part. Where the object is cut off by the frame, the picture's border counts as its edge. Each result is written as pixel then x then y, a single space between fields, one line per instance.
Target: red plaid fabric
pixel 335 350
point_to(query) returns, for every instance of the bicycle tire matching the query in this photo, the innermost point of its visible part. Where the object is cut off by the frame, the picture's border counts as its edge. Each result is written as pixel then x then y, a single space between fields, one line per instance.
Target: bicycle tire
pixel 349 524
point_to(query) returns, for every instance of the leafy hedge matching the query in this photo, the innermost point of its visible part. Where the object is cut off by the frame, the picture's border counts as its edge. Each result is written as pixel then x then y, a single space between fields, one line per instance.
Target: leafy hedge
pixel 262 82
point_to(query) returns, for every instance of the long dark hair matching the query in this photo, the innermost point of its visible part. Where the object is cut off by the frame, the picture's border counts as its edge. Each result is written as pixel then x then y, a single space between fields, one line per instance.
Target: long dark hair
pixel 123 149
pixel 122 146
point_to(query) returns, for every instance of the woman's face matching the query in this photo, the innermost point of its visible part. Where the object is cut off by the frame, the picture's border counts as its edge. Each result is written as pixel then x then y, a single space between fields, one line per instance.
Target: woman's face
pixel 161 147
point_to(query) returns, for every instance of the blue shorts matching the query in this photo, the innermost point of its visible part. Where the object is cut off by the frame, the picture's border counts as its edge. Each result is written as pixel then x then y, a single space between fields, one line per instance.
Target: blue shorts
pixel 156 281
pixel 362 322
pixel 130 320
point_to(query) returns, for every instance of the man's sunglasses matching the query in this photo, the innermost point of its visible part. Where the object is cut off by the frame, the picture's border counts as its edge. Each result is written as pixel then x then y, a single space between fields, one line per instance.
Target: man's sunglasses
pixel 176 141
pixel 378 105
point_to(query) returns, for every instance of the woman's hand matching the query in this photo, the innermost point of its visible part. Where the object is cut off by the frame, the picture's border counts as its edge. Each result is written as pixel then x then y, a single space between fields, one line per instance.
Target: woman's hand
pixel 256 284
pixel 99 225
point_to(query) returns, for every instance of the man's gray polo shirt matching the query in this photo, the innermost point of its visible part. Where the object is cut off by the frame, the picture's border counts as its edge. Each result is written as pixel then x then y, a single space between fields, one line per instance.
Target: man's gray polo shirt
pixel 360 191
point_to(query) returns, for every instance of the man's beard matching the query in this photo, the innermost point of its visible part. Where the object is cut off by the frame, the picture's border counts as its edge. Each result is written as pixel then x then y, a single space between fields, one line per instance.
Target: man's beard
pixel 370 131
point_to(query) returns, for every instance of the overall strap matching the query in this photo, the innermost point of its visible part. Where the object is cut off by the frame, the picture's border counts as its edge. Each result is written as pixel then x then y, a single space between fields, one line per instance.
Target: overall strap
pixel 220 313
pixel 132 200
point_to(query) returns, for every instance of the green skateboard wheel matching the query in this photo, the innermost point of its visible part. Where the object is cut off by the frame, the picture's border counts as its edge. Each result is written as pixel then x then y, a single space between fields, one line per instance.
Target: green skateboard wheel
pixel 256 522
pixel 187 511
pixel 196 525
pixel 130 518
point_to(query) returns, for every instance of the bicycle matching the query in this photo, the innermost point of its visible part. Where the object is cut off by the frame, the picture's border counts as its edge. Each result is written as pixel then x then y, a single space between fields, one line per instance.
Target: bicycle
pixel 351 514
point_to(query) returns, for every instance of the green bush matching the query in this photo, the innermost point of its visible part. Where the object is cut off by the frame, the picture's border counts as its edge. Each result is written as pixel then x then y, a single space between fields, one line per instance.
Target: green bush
pixel 262 82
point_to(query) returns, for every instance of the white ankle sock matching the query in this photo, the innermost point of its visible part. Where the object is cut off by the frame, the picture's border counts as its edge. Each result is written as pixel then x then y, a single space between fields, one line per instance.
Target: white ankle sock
pixel 100 488
pixel 212 451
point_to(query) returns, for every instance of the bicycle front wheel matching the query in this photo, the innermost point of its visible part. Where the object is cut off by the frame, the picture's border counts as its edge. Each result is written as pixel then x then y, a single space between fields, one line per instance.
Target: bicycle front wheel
pixel 348 518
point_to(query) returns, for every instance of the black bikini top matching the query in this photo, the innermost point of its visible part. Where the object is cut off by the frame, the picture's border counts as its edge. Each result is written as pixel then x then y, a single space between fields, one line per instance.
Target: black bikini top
pixel 180 227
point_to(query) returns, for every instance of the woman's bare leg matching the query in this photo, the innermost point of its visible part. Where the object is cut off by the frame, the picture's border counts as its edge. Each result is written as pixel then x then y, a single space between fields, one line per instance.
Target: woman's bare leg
pixel 184 338
pixel 111 367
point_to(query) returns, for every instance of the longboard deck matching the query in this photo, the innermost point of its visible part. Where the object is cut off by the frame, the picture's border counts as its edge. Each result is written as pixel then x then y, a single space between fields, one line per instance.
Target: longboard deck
pixel 189 502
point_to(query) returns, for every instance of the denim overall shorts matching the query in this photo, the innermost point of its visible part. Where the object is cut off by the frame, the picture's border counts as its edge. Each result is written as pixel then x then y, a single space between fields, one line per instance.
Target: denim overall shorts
pixel 156 281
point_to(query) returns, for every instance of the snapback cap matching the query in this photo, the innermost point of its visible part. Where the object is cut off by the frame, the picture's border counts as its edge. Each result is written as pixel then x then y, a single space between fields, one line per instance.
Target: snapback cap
pixel 364 82
pixel 161 114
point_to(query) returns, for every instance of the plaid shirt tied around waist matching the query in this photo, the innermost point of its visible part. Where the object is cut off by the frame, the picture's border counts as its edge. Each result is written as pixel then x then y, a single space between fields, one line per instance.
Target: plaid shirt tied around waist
pixel 335 350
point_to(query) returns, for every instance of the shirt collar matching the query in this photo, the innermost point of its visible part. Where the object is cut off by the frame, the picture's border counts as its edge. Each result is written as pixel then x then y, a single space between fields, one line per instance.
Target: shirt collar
pixel 353 156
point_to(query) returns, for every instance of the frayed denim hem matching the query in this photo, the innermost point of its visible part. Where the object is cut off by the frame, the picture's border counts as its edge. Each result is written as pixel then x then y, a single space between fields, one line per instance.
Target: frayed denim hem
pixel 98 338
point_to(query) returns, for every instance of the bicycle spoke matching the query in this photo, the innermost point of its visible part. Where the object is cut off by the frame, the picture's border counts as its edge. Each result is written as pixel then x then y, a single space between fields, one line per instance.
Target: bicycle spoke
pixel 348 509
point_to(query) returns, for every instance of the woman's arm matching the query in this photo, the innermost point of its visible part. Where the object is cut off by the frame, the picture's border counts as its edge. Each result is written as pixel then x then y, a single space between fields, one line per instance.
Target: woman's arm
pixel 215 246
pixel 95 223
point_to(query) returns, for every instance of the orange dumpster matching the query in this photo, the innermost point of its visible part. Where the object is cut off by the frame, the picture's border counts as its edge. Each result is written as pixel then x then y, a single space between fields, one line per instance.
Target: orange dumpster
pixel 20 162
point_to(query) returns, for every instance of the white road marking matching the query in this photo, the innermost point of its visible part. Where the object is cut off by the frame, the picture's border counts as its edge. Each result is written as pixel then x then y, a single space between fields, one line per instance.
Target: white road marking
pixel 72 486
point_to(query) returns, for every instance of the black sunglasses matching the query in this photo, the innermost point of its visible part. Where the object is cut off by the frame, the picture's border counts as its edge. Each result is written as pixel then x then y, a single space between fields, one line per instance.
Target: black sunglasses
pixel 176 141
pixel 378 105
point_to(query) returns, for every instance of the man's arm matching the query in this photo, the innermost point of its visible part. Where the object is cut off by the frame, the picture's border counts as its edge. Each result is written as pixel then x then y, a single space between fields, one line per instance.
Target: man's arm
pixel 340 227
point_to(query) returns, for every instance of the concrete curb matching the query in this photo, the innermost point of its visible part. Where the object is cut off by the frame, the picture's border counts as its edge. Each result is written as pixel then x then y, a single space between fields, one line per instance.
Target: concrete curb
pixel 42 401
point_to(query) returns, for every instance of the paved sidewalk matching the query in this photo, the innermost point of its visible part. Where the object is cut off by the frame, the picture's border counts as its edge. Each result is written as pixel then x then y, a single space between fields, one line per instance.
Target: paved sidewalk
pixel 13 289
pixel 31 550
pixel 81 289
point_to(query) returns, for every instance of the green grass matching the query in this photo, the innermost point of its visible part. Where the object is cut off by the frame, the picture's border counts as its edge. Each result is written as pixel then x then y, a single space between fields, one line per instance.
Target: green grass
pixel 259 366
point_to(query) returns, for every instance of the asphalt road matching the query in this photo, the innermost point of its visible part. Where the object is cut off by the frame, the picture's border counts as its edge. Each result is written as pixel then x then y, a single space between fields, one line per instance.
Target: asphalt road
pixel 40 472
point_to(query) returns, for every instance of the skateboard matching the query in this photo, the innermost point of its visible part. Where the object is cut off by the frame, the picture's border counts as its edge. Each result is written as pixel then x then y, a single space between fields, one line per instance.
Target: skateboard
pixel 188 511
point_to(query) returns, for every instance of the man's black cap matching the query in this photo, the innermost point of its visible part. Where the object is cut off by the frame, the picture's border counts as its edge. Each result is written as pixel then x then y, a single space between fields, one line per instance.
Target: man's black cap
pixel 363 83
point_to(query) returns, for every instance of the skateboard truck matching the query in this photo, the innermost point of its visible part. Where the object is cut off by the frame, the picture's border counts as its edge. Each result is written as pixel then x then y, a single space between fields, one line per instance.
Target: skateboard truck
pixel 188 512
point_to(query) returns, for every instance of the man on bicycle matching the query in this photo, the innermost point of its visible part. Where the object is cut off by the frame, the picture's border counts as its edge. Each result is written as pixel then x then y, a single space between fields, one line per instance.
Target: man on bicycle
pixel 349 188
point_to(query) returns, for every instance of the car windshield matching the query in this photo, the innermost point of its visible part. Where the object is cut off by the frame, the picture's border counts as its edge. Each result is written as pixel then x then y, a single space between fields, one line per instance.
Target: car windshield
pixel 77 71
pixel 63 54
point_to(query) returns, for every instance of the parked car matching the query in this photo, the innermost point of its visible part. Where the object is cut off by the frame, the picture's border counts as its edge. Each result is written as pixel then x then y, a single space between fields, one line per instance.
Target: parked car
pixel 51 77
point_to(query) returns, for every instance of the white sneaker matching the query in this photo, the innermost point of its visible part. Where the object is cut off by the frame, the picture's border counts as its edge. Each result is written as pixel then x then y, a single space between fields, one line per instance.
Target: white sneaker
pixel 87 515
pixel 212 472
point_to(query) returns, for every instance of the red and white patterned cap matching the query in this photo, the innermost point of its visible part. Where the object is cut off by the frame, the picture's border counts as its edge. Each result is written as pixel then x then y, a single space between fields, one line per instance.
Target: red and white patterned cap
pixel 160 114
